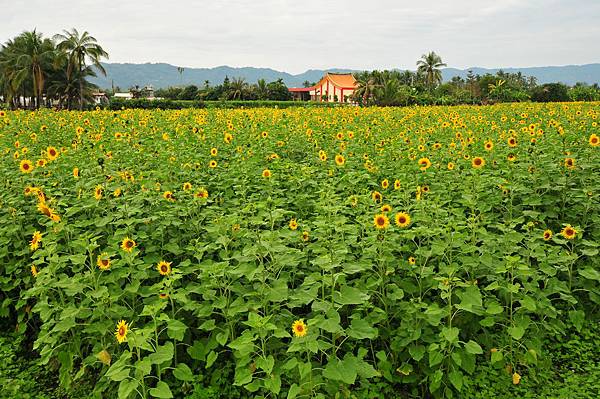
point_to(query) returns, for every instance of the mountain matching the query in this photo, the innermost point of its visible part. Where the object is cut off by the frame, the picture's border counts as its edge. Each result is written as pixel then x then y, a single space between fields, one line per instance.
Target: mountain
pixel 165 75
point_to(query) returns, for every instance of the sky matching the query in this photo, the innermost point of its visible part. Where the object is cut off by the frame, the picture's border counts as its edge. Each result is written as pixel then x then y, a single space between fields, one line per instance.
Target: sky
pixel 296 35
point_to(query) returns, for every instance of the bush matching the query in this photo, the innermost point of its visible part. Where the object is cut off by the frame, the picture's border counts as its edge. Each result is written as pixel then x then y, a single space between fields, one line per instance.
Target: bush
pixel 550 92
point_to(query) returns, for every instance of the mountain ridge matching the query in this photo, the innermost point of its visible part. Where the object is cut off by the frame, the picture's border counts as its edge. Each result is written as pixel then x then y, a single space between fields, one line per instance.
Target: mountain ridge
pixel 160 75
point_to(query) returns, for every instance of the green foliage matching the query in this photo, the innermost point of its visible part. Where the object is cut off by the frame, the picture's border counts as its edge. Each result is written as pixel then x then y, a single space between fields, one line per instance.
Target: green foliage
pixel 469 283
pixel 550 92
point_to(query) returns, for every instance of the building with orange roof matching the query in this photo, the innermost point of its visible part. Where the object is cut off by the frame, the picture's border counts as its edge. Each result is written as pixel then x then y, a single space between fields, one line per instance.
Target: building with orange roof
pixel 333 87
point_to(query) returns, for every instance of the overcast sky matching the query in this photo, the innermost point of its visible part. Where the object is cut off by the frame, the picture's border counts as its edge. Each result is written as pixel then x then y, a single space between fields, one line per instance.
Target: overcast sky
pixel 296 35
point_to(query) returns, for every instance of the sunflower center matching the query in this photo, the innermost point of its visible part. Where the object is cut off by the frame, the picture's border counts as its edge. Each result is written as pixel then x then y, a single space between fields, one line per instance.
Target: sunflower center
pixel 122 330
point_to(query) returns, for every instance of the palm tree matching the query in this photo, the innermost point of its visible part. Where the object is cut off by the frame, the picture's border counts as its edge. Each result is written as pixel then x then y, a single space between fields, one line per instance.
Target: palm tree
pixel 261 89
pixel 26 61
pixel 237 88
pixel 428 66
pixel 366 84
pixel 80 49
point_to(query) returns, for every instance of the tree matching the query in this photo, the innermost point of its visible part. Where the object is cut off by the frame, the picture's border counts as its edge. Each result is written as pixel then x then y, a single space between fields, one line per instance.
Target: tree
pixel 262 92
pixel 278 91
pixel 550 92
pixel 81 49
pixel 237 89
pixel 429 66
pixel 366 84
pixel 28 59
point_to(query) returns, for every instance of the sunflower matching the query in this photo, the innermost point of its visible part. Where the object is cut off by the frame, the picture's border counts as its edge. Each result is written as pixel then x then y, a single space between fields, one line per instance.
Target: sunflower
pixel 41 162
pixel 293 224
pixel 76 173
pixel 34 271
pixel 117 192
pixel 35 240
pixel 489 146
pixel 376 196
pixel 163 295
pixel 164 268
pixel 340 160
pixel 168 195
pixel 264 135
pixel 381 221
pixel 511 157
pixel 397 184
pixel 213 152
pixel 305 236
pixel 385 184
pixel 121 333
pixel 594 140
pixel 266 173
pixel 212 164
pixel 187 186
pixel 52 153
pixel 45 209
pixel 2 114
pixel 516 378
pixel 227 138
pixel 98 192
pixel 512 142
pixel 299 328
pixel 386 208
pixel 568 232
pixel 424 163
pixel 412 260
pixel 569 163
pixel 402 219
pixel 547 235
pixel 26 166
pixel 478 162
pixel 202 193
pixel 103 261
pixel 450 165
pixel 322 155
pixel 128 244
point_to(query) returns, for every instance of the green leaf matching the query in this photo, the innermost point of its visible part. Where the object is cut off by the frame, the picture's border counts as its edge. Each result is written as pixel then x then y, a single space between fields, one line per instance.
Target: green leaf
pixel 516 332
pixel 350 296
pixel 497 356
pixel 435 358
pixel 361 329
pixel 210 359
pixel 456 378
pixel 183 373
pixel 161 391
pixel 417 352
pixel 243 375
pixel 126 387
pixel 294 391
pixel 163 354
pixel 344 371
pixel 470 300
pixel 266 364
pixel 590 274
pixel 176 329
pixel 451 334
pixel 473 348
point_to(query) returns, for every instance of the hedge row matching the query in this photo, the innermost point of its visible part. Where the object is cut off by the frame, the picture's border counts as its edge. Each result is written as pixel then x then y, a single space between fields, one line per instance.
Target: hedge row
pixel 143 103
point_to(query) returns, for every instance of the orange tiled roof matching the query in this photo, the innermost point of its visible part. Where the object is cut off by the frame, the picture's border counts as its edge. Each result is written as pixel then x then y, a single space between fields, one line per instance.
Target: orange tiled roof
pixel 341 79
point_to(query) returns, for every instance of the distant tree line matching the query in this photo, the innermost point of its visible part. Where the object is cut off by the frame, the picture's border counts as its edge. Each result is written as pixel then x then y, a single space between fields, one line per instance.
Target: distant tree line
pixel 36 71
pixel 231 89
pixel 425 87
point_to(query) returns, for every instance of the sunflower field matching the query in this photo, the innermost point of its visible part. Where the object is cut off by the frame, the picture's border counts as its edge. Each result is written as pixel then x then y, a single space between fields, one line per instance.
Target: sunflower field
pixel 298 253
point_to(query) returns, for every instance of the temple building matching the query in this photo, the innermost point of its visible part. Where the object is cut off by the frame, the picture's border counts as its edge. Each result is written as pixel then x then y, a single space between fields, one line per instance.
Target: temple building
pixel 333 87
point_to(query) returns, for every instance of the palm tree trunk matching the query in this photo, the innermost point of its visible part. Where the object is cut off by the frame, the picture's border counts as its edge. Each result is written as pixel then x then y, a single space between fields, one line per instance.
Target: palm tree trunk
pixel 80 86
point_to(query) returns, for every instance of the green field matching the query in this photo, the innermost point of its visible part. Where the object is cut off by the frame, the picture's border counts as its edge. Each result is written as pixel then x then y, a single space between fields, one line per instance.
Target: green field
pixel 302 252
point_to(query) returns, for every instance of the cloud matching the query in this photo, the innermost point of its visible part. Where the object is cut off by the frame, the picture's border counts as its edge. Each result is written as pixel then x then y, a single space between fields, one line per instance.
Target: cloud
pixel 298 35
